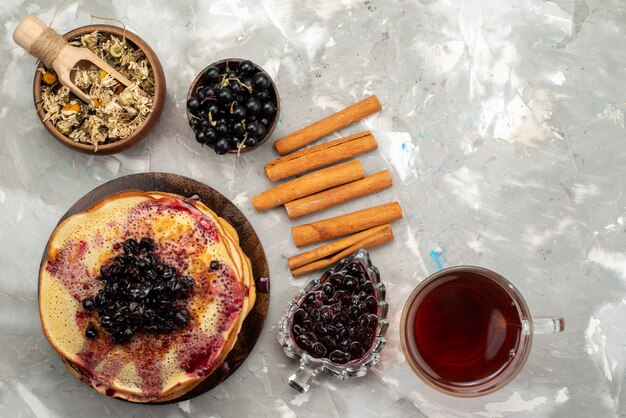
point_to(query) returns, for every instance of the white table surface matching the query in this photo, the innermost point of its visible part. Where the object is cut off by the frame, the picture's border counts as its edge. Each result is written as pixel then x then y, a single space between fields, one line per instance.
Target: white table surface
pixel 503 125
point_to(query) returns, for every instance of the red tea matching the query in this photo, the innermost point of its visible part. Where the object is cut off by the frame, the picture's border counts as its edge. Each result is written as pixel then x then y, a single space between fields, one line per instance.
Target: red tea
pixel 466 329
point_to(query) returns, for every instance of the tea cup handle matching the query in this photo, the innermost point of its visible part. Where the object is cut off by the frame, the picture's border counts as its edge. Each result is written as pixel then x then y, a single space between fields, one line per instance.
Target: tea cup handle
pixel 548 325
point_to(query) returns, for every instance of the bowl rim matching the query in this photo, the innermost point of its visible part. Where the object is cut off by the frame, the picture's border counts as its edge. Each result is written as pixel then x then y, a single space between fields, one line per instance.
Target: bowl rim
pixel 270 129
pixel 143 129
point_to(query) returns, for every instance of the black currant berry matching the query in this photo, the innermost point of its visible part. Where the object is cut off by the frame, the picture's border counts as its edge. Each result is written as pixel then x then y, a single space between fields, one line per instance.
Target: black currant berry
pixel 246 67
pixel 224 95
pixel 253 106
pixel 222 146
pixel 212 74
pixel 260 82
pixel 193 104
pixel 268 109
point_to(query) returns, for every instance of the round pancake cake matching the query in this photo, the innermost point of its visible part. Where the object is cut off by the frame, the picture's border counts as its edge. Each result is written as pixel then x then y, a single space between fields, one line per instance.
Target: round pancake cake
pixel 143 295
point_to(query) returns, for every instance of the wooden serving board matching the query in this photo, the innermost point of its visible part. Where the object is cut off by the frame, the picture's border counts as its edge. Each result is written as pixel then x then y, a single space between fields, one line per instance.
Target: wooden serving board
pixel 249 241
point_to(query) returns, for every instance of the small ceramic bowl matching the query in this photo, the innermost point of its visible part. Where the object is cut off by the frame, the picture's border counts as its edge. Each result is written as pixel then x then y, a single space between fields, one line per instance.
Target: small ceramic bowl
pixel 143 129
pixel 311 366
pixel 200 80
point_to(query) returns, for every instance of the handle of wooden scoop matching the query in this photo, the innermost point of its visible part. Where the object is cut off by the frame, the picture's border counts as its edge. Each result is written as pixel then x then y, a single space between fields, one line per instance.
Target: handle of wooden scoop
pixel 53 51
pixel 39 40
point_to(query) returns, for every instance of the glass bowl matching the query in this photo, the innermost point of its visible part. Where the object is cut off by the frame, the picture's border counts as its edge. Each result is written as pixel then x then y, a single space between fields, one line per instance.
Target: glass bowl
pixel 311 366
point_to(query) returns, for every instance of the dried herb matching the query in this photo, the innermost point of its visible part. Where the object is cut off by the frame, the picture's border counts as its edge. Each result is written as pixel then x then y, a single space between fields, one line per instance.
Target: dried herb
pixel 116 111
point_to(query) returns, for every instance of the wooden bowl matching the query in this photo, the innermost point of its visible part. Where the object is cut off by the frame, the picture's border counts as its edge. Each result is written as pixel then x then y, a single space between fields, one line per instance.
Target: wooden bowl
pixel 143 129
pixel 200 80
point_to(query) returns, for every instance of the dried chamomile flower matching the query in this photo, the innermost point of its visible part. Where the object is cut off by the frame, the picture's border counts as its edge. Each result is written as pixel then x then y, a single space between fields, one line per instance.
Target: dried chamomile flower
pixel 116 111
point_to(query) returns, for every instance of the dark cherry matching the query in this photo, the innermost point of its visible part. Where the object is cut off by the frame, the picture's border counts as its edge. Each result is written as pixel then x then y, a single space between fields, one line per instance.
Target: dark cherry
pixel 339 357
pixel 303 341
pixel 318 350
pixel 329 289
pixel 370 303
pixel 330 342
pixel 368 287
pixel 297 330
pixel 338 315
pixel 356 349
pixel 320 329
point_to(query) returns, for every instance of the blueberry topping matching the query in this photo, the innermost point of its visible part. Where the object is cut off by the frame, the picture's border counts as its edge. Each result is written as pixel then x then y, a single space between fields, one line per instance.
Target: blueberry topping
pixel 91 332
pixel 139 294
pixel 89 304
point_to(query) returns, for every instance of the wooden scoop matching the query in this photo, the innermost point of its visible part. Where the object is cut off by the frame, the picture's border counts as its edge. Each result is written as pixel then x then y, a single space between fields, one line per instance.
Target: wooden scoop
pixel 48 46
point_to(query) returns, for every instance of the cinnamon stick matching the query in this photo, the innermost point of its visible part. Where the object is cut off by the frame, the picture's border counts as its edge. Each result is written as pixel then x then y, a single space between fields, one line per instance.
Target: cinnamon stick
pixel 309 184
pixel 345 224
pixel 373 240
pixel 334 247
pixel 320 156
pixel 327 125
pixel 336 195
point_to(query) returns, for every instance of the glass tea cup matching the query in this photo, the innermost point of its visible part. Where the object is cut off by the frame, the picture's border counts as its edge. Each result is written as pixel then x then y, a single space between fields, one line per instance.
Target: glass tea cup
pixel 467 331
